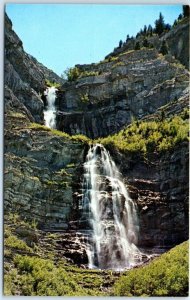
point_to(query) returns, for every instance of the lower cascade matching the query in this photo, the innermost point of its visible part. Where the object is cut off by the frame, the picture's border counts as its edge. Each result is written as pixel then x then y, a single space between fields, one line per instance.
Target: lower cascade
pixel 111 213
pixel 50 111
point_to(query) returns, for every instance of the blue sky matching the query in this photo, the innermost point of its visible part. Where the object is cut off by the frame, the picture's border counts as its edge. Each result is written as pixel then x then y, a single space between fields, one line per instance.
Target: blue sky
pixel 62 35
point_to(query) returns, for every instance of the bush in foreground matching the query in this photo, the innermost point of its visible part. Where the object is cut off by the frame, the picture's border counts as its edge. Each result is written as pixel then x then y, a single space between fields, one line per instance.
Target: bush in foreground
pixel 165 276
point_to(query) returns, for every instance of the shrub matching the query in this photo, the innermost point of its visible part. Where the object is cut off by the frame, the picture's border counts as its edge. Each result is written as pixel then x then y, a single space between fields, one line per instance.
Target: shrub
pixel 88 73
pixel 84 98
pixel 42 278
pixel 50 84
pixel 137 46
pixel 38 127
pixel 13 242
pixel 153 136
pixel 165 276
pixel 72 73
pixel 164 48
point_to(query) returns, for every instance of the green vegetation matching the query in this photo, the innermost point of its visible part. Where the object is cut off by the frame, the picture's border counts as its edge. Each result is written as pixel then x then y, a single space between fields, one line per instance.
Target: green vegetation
pixel 50 84
pixel 137 46
pixel 153 136
pixel 17 115
pixel 164 48
pixel 77 138
pixel 165 276
pixel 84 98
pixel 40 277
pixel 38 127
pixel 63 172
pixel 34 271
pixel 54 184
pixel 34 276
pixel 118 64
pixel 108 59
pixel 72 73
pixel 13 242
pixel 88 73
pixel 125 53
pixel 75 73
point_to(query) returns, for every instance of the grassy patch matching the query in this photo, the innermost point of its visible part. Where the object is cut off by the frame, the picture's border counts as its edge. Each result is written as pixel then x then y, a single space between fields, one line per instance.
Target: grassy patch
pixel 62 184
pixel 165 276
pixel 17 115
pixel 150 136
pixel 13 242
pixel 127 52
pixel 88 73
pixel 77 138
pixel 118 64
pixel 39 127
pixel 52 84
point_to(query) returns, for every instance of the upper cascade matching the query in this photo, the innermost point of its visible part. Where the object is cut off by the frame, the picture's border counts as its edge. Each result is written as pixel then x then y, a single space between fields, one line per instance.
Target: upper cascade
pixel 111 212
pixel 50 111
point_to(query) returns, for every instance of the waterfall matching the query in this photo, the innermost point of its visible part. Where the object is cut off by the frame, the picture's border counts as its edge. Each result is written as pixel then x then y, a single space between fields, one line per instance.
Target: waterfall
pixel 50 111
pixel 111 213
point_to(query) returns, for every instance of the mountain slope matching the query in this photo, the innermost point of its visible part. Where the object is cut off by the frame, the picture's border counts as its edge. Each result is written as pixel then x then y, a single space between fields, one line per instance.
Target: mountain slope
pixel 100 99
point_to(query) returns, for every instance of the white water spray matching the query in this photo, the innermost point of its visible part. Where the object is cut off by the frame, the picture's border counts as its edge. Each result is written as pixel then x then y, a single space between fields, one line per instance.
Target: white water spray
pixel 111 212
pixel 50 111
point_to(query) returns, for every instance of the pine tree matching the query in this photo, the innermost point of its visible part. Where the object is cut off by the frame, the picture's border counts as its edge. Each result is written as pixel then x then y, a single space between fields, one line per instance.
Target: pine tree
pixel 145 43
pixel 175 23
pixel 144 30
pixel 159 25
pixel 127 38
pixel 120 43
pixel 150 30
pixel 164 48
pixel 137 46
pixel 167 27
pixel 180 17
pixel 185 11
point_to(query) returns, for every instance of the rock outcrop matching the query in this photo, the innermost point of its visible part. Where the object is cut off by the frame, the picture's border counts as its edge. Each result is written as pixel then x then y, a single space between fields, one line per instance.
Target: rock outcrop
pixel 159 185
pixel 129 85
pixel 177 40
pixel 40 168
pixel 24 75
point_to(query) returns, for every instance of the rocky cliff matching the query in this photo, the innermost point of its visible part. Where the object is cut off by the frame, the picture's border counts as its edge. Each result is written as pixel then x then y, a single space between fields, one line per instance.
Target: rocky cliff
pixel 24 75
pixel 128 84
pixel 44 168
pixel 176 39
pixel 39 165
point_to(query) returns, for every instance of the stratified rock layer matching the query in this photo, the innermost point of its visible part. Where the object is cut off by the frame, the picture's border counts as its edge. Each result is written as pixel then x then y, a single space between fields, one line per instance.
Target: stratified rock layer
pixel 24 75
pixel 134 85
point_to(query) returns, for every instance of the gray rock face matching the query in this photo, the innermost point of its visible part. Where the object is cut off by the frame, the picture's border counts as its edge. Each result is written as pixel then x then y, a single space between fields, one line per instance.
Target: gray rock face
pixel 178 42
pixel 159 186
pixel 137 84
pixel 24 75
pixel 40 168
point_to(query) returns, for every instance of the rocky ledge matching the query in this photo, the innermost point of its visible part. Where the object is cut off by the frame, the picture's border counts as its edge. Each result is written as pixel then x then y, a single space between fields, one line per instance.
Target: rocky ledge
pixel 135 84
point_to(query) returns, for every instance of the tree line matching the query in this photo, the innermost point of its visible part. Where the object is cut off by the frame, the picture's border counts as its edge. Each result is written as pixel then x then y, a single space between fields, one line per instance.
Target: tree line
pixel 160 27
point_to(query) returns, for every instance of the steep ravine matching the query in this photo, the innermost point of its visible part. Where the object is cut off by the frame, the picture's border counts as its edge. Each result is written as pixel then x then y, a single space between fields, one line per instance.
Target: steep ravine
pixel 43 169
